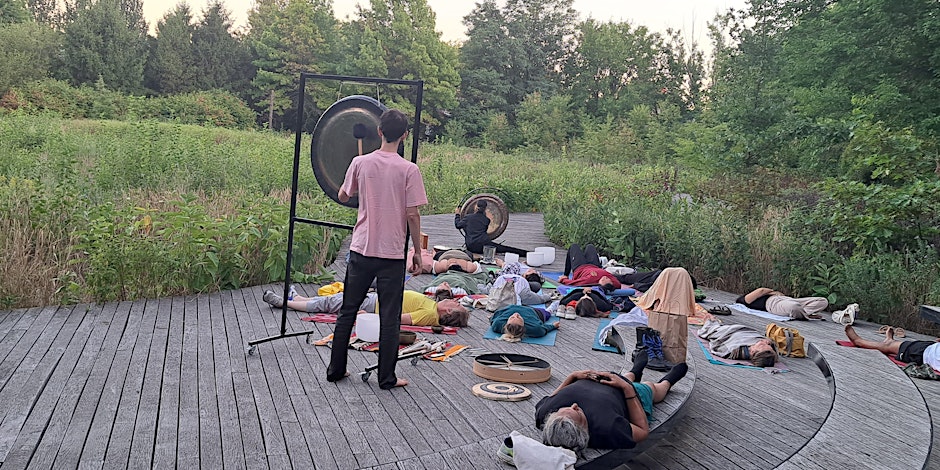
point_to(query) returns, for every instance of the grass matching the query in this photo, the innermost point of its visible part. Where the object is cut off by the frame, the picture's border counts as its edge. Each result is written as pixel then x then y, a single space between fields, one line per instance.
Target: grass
pixel 104 210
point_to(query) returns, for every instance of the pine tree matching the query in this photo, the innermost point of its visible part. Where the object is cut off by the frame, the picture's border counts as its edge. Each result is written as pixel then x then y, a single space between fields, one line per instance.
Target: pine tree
pixel 172 68
pixel 101 44
pixel 221 59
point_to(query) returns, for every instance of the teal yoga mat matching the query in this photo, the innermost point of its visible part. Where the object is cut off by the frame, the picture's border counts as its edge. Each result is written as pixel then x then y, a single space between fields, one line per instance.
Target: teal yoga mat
pixel 547 340
pixel 598 346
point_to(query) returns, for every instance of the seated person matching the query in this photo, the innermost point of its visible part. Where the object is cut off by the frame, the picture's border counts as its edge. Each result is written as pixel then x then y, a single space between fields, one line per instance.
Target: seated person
pixel 417 309
pixel 527 283
pixel 603 410
pixel 585 302
pixel 476 227
pixel 916 352
pixel 515 321
pixel 738 342
pixel 769 300
pixel 585 269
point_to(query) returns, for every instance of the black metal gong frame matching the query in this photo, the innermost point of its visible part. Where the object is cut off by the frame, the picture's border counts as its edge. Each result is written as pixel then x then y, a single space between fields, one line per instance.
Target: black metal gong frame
pixel 298 133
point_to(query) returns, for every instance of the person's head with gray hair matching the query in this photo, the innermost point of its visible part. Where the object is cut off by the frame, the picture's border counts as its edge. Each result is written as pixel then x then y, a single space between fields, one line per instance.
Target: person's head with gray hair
pixel 566 428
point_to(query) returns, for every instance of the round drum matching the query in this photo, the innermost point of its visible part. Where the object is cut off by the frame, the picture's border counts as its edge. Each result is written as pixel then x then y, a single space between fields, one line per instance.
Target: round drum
pixel 500 391
pixel 512 368
pixel 496 210
pixel 348 125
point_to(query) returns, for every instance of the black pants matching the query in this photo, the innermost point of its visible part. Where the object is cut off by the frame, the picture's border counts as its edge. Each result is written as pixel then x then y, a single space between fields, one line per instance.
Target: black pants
pixel 389 276
pixel 577 257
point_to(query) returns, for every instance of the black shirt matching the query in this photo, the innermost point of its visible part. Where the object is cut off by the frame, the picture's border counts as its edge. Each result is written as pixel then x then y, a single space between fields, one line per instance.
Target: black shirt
pixel 759 304
pixel 604 406
pixel 475 227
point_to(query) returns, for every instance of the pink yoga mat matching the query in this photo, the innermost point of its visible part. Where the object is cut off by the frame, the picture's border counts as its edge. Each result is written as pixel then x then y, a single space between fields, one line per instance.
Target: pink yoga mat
pixel 331 318
pixel 849 344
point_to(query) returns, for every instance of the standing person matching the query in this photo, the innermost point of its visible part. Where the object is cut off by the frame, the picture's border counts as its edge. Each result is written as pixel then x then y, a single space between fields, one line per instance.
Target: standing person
pixel 390 190
pixel 476 227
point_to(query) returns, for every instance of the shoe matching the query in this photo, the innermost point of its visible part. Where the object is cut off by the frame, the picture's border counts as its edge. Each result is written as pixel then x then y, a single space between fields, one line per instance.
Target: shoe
pixel 273 299
pixel 504 453
pixel 654 348
pixel 640 348
pixel 847 316
pixel 720 310
pixel 570 313
pixel 561 311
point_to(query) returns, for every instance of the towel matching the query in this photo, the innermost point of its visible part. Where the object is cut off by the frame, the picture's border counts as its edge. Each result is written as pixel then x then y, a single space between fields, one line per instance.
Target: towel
pixel 633 318
pixel 757 313
pixel 529 454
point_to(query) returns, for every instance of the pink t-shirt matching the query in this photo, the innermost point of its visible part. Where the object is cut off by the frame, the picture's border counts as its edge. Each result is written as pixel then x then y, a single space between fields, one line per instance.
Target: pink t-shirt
pixel 386 184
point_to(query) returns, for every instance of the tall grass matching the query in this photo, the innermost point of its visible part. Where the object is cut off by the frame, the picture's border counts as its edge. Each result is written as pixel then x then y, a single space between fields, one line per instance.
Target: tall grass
pixel 102 210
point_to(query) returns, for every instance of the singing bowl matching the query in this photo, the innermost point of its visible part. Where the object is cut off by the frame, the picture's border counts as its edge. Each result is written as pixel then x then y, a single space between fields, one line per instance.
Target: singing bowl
pixel 334 144
pixel 496 210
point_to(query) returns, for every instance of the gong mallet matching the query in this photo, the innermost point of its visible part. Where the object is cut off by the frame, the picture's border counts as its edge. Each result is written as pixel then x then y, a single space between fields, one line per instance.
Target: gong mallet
pixel 360 132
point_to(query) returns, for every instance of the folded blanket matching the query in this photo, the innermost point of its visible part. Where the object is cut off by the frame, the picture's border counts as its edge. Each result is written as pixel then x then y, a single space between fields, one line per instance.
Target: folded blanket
pixel 531 454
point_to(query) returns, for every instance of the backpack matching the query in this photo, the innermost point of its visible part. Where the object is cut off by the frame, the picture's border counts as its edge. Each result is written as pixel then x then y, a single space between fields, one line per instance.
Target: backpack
pixel 789 341
pixel 502 296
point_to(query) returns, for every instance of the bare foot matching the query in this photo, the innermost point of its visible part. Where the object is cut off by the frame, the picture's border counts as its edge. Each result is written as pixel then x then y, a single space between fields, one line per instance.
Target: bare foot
pixel 851 334
pixel 401 383
pixel 337 380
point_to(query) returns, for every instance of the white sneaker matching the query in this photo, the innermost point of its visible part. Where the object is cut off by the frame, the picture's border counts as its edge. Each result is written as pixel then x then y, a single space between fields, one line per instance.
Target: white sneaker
pixel 570 313
pixel 847 316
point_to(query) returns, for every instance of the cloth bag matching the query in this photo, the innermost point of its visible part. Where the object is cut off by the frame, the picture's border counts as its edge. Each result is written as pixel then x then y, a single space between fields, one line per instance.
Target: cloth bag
pixel 789 341
pixel 502 296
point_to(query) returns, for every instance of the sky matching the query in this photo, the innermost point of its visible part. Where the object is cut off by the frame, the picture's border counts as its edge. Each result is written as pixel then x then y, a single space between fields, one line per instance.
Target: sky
pixel 688 16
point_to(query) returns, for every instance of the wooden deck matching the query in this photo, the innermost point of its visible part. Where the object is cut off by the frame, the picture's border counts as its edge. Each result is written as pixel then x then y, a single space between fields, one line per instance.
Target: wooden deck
pixel 167 383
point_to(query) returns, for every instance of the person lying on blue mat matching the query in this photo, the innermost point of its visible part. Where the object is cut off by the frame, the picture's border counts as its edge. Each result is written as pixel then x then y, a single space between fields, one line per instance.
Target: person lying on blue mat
pixel 515 321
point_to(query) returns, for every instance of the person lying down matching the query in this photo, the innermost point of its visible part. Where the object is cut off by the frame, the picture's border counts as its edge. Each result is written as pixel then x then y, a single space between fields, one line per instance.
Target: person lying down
pixel 417 309
pixel 738 342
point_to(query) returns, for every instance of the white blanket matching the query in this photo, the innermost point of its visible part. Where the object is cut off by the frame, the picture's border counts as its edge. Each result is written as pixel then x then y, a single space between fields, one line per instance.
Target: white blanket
pixel 760 313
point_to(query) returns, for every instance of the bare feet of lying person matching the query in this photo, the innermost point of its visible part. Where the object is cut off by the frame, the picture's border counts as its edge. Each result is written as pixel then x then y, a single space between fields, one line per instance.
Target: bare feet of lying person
pixel 330 379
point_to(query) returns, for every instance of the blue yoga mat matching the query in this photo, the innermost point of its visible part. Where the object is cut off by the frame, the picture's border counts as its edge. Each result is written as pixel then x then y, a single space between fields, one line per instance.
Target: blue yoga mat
pixel 598 346
pixel 547 340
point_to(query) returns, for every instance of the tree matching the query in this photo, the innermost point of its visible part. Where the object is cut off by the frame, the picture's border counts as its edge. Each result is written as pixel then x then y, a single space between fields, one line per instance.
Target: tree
pixel 484 57
pixel 26 43
pixel 13 11
pixel 222 60
pixel 101 44
pixel 413 50
pixel 614 68
pixel 286 39
pixel 540 32
pixel 172 66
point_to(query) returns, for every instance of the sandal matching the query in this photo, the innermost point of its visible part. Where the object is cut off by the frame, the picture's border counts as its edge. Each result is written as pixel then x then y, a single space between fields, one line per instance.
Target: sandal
pixel 898 332
pixel 720 310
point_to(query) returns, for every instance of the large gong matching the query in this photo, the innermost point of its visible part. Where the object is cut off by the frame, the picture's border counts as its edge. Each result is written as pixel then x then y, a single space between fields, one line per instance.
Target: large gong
pixel 347 129
pixel 496 210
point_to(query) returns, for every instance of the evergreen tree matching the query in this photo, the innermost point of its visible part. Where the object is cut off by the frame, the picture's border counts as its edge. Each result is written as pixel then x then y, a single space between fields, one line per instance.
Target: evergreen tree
pixel 221 59
pixel 101 44
pixel 172 68
pixel 484 56
pixel 13 11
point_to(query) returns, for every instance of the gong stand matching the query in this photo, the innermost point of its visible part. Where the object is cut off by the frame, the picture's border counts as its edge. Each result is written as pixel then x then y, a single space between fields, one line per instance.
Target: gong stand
pixel 419 84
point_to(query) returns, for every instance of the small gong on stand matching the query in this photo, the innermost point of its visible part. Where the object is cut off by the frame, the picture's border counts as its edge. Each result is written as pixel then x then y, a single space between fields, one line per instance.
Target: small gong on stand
pixel 496 210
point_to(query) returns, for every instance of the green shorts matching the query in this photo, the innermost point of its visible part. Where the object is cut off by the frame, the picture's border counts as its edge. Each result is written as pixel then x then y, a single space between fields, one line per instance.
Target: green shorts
pixel 645 392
